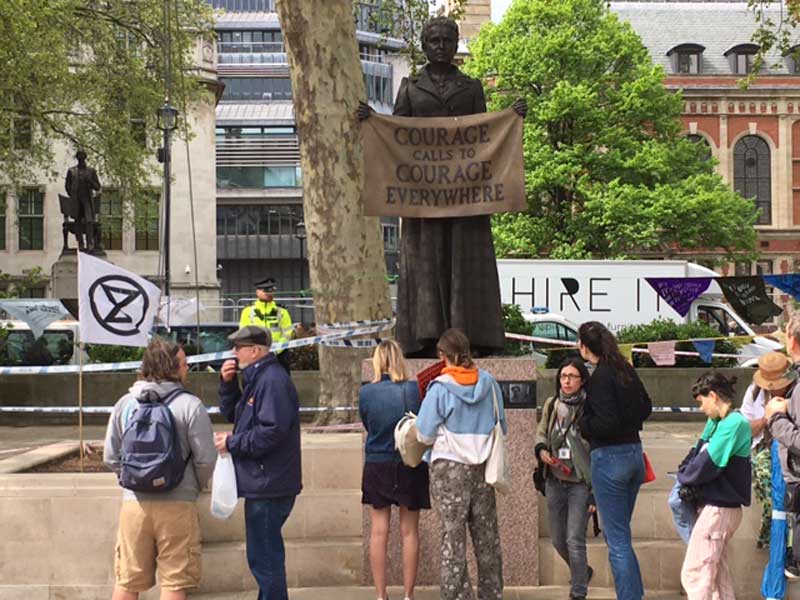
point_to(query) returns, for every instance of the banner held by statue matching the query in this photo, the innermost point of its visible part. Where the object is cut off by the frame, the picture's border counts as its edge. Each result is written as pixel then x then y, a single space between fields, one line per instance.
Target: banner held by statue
pixel 439 167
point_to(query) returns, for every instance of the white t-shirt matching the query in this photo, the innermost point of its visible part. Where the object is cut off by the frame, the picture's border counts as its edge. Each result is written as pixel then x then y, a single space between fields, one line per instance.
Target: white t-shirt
pixel 754 408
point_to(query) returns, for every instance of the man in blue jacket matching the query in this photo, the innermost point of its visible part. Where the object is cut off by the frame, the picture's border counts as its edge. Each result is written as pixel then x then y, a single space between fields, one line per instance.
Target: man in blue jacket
pixel 265 445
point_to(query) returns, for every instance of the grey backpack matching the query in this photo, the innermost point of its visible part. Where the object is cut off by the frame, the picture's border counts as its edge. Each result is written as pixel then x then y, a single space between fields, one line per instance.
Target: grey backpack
pixel 151 452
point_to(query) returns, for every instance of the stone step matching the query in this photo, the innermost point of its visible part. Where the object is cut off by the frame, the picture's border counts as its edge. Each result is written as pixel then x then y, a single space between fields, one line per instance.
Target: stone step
pixel 432 593
pixel 660 563
pixel 309 563
pixel 329 514
pixel 652 519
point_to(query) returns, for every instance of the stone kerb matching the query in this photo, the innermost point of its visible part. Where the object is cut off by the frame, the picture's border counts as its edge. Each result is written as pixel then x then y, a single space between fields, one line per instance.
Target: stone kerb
pixel 517 512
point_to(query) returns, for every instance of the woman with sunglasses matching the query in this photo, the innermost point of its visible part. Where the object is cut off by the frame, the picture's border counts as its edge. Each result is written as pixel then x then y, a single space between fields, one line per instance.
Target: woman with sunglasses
pixel 564 455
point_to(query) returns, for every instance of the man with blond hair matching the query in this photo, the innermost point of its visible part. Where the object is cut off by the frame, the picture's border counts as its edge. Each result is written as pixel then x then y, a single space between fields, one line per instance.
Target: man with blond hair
pixel 160 530
pixel 782 415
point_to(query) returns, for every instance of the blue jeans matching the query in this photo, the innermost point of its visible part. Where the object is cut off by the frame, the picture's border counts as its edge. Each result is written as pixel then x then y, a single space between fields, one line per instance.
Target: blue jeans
pixel 617 474
pixel 568 515
pixel 266 555
pixel 684 516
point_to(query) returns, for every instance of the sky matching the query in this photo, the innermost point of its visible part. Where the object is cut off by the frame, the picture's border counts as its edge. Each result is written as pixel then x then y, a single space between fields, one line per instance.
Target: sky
pixel 499 8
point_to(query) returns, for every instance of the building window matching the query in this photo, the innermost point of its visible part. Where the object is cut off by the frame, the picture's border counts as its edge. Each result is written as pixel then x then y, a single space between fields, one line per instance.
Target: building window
pixel 111 220
pixel 378 88
pixel 249 42
pixel 258 219
pixel 245 5
pixel 257 88
pixel 259 177
pixel 2 221
pixel 688 63
pixel 751 174
pixel 391 239
pixel 372 53
pixel 686 58
pixel 147 222
pixel 741 58
pixel 30 212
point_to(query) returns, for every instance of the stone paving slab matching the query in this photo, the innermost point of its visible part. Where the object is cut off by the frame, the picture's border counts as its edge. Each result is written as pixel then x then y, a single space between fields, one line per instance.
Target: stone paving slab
pixel 432 593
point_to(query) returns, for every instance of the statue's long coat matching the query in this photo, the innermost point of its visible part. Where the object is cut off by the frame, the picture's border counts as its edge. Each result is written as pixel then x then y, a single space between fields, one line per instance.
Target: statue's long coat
pixel 448 272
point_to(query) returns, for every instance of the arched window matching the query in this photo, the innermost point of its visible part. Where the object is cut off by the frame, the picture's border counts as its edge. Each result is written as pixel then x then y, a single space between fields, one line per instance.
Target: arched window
pixel 696 138
pixel 686 58
pixel 751 174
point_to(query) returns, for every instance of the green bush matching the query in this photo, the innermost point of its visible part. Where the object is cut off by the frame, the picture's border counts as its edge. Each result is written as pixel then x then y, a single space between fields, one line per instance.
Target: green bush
pixel 662 330
pixel 103 353
pixel 514 322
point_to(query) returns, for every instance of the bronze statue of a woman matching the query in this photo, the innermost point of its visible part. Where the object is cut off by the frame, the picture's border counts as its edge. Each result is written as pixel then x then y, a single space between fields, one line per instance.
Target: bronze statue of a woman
pixel 448 271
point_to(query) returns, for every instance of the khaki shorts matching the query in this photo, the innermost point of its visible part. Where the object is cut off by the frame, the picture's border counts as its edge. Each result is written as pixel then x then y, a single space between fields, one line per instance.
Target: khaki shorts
pixel 163 536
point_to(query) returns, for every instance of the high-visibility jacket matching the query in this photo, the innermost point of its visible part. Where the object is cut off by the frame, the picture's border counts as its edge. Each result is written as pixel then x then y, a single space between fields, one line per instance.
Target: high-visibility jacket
pixel 269 316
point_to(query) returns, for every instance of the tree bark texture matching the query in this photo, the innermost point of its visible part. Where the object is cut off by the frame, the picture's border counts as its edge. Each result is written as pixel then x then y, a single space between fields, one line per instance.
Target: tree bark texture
pixel 345 248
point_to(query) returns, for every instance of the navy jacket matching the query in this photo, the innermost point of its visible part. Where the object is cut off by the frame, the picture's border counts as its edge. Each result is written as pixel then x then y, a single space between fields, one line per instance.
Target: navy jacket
pixel 381 405
pixel 265 444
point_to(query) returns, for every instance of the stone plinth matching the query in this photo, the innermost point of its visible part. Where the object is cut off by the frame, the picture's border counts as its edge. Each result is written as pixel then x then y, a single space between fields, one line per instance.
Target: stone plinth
pixel 517 512
pixel 64 276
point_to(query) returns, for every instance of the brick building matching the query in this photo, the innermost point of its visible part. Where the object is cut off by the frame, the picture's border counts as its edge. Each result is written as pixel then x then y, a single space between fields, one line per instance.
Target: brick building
pixel 705 49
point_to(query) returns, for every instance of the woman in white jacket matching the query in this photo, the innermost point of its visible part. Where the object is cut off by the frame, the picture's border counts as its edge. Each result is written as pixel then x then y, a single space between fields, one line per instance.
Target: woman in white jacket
pixel 457 418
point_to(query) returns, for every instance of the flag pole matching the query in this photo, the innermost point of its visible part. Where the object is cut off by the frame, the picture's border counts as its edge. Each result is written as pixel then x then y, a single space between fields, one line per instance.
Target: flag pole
pixel 80 400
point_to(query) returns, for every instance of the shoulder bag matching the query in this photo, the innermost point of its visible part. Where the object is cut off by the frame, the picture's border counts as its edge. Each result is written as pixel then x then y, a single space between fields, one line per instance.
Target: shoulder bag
pixel 497 470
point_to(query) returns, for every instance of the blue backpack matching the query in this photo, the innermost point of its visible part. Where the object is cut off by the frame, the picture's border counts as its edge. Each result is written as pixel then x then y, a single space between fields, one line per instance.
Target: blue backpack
pixel 151 452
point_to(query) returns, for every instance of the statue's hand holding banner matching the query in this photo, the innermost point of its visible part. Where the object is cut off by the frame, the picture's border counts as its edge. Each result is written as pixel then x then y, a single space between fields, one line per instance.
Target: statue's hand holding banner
pixel 437 167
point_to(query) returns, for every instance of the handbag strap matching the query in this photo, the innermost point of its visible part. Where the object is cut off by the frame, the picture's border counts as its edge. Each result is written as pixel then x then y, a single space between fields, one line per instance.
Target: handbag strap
pixel 494 405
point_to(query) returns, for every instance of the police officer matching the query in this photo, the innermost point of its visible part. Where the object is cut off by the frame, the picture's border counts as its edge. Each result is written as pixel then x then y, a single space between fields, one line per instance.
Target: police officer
pixel 266 313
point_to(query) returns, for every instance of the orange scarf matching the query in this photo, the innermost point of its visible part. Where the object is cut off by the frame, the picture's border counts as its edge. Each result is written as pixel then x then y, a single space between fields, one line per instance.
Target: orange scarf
pixel 462 375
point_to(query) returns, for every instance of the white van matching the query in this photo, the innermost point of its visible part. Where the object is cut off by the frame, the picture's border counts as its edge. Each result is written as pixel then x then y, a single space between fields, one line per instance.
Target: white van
pixel 58 345
pixel 615 293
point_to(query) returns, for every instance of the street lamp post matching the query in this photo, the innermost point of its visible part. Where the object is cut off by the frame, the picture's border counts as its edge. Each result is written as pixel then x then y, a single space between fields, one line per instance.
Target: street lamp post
pixel 300 234
pixel 167 122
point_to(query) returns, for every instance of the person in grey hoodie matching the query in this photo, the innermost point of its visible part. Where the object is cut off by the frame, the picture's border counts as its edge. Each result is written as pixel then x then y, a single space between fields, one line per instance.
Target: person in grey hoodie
pixel 162 529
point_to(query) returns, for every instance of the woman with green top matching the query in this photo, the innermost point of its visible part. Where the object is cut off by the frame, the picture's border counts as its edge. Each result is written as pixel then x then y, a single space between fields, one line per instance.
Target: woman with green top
pixel 716 475
pixel 564 456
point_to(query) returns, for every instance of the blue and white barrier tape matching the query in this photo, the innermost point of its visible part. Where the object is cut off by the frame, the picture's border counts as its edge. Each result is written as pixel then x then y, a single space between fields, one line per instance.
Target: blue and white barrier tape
pixel 328 339
pixel 354 324
pixel 106 410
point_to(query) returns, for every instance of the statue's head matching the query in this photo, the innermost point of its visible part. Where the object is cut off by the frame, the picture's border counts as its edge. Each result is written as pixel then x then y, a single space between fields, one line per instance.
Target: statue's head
pixel 81 156
pixel 440 40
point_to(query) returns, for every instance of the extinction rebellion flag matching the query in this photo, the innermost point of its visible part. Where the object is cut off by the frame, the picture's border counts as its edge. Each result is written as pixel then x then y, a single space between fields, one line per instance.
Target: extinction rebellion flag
pixel 115 306
pixel 435 167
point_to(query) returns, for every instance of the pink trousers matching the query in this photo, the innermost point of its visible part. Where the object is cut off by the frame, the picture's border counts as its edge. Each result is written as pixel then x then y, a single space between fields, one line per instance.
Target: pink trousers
pixel 706 573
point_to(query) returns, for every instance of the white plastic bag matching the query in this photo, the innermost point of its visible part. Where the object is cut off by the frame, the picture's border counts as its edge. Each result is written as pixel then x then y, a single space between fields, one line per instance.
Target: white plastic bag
pixel 223 488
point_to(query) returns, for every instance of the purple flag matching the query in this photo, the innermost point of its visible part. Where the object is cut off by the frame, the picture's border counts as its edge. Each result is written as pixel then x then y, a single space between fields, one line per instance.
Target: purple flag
pixel 679 292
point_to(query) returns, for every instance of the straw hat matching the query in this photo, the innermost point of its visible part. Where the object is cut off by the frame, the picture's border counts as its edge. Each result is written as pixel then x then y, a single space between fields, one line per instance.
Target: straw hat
pixel 774 371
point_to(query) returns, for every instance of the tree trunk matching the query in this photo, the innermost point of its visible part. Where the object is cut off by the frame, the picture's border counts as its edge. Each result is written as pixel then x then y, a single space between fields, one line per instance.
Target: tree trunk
pixel 345 248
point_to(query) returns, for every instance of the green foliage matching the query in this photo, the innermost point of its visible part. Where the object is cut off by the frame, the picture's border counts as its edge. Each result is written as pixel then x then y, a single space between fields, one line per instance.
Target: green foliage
pixel 90 74
pixel 661 330
pixel 102 353
pixel 608 171
pixel 514 322
pixel 20 287
pixel 405 21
